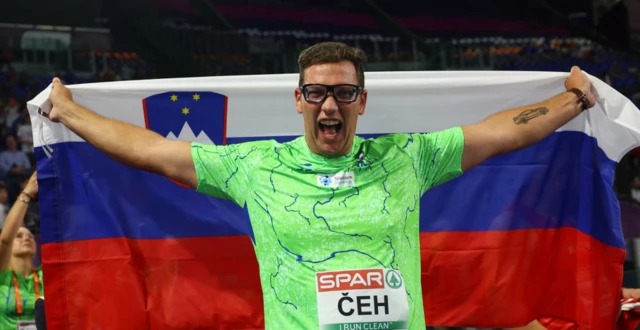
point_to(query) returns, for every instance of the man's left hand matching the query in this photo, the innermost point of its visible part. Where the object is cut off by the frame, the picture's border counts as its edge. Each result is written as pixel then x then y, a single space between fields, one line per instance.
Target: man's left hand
pixel 578 79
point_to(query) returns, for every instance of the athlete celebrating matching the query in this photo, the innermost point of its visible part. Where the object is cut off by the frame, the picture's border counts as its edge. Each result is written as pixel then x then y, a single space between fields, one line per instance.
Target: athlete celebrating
pixel 335 216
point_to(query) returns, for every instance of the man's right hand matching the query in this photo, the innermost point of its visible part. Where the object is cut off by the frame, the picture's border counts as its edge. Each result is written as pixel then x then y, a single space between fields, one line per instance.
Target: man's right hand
pixel 59 96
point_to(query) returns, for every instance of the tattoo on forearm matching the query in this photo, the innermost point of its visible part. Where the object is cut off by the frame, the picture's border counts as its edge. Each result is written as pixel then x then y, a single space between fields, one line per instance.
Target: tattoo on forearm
pixel 527 115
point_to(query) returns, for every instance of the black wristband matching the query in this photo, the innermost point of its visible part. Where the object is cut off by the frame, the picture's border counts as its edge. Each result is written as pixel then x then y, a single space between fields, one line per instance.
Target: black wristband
pixel 582 97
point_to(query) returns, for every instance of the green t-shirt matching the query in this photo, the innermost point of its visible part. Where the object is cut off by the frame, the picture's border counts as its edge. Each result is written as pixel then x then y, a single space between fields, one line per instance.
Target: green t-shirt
pixel 10 316
pixel 311 215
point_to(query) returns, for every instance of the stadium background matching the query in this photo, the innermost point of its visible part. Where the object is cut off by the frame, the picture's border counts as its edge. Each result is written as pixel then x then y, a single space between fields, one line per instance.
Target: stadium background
pixel 98 40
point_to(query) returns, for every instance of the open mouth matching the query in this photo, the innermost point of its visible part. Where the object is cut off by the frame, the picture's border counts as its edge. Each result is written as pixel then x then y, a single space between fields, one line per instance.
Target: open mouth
pixel 330 128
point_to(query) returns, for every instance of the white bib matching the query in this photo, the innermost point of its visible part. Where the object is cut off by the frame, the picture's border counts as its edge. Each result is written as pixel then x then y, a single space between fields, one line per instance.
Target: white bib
pixel 363 299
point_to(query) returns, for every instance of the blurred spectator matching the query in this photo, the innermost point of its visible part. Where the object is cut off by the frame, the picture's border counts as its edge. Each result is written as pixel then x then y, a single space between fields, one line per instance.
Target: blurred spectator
pixel 126 72
pixel 24 133
pixel 17 254
pixel 12 112
pixel 15 166
pixel 21 120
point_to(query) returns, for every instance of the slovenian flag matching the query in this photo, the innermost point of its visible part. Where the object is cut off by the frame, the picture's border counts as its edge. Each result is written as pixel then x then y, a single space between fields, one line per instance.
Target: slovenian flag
pixel 532 234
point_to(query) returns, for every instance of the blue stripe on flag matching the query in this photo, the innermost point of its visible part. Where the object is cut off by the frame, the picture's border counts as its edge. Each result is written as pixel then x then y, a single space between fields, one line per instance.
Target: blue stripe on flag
pixel 563 181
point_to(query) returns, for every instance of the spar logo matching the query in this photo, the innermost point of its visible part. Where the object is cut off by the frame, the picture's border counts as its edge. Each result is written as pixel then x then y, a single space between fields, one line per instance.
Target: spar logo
pixel 363 279
pixel 393 279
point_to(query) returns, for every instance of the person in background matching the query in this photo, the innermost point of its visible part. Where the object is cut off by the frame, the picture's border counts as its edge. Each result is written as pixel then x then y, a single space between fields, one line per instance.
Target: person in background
pixel 13 130
pixel 14 165
pixel 12 112
pixel 21 283
pixel 24 135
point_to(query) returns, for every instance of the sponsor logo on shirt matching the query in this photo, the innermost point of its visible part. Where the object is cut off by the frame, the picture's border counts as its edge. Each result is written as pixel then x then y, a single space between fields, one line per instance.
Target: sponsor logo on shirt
pixel 362 299
pixel 337 180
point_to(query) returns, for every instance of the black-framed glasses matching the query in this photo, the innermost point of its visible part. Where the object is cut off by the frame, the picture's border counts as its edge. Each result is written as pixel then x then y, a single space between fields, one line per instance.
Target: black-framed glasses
pixel 343 93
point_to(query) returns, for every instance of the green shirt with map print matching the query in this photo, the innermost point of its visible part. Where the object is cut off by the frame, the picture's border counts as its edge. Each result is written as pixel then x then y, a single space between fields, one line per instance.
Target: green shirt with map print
pixel 337 239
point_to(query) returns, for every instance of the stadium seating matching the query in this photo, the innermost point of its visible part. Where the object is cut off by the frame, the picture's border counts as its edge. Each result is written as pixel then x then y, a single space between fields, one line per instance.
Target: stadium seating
pixel 479 18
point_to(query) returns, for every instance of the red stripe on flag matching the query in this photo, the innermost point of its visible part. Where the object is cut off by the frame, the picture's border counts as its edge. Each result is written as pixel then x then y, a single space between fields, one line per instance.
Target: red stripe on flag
pixel 509 278
pixel 187 283
pixel 477 279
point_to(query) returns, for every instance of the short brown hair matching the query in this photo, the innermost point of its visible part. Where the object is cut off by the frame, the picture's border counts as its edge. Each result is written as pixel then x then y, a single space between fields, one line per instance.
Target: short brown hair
pixel 332 52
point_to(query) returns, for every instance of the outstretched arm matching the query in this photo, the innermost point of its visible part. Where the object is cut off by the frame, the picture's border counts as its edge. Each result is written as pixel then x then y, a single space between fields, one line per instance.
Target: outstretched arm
pixel 521 127
pixel 128 144
pixel 15 220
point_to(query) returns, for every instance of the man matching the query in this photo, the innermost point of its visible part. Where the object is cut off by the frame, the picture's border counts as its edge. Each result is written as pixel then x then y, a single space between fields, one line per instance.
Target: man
pixel 332 214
